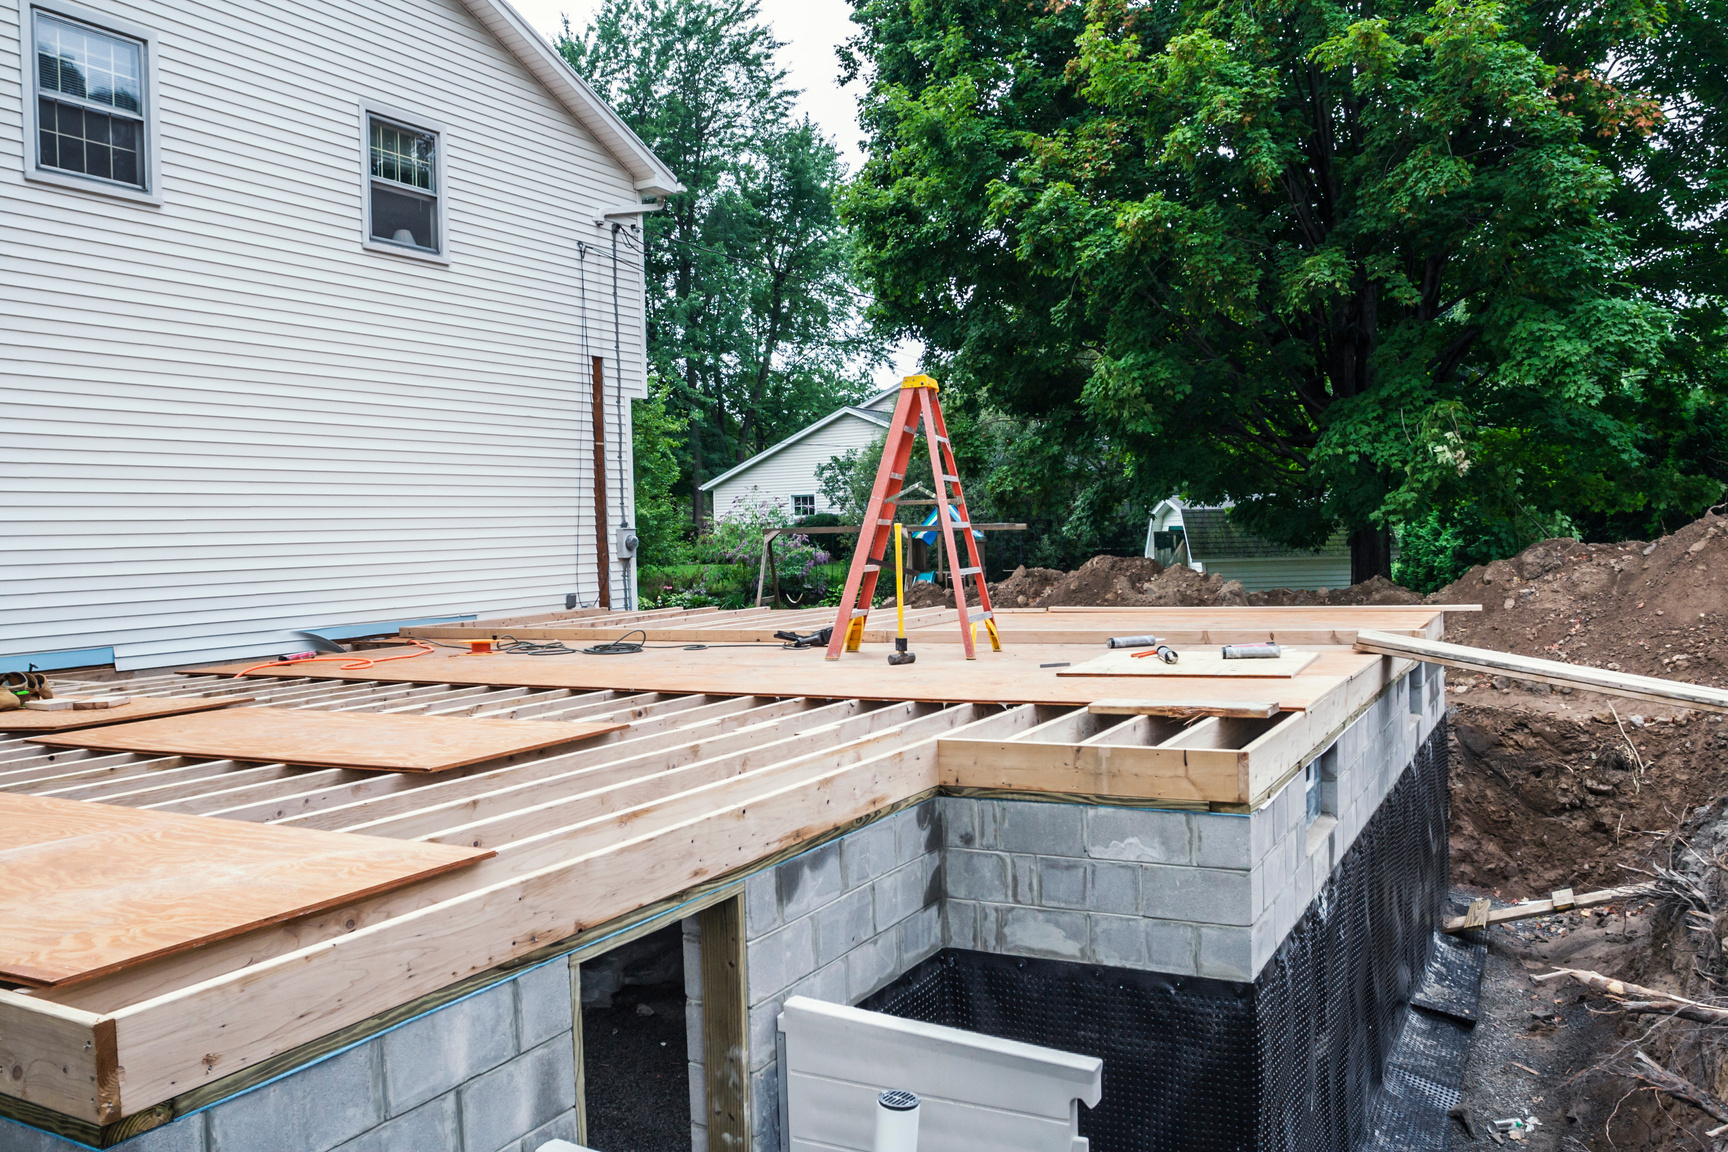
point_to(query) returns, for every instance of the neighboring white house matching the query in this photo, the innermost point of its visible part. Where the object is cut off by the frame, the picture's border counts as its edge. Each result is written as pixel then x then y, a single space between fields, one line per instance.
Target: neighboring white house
pixel 309 313
pixel 786 473
pixel 1206 540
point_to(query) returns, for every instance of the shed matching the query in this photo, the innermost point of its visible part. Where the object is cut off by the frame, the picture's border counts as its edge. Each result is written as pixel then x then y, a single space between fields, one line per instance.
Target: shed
pixel 1204 538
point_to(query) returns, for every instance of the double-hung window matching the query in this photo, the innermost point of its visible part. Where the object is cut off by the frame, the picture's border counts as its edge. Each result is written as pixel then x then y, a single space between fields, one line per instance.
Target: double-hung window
pixel 803 506
pixel 402 180
pixel 89 102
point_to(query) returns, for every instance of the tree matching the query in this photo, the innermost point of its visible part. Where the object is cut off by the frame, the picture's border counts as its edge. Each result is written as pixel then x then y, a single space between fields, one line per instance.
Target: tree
pixel 751 308
pixel 1341 264
pixel 655 434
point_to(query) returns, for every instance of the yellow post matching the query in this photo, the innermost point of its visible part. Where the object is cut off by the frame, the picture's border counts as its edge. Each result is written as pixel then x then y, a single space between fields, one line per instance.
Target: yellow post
pixel 899 583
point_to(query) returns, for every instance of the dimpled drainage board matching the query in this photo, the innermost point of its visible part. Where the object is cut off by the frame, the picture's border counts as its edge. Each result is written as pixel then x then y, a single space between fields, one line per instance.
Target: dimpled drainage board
pixel 1294 1062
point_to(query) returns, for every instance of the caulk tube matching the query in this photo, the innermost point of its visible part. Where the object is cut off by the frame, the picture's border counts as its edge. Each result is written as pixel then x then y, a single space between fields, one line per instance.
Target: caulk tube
pixel 896 1121
pixel 1131 642
pixel 1262 651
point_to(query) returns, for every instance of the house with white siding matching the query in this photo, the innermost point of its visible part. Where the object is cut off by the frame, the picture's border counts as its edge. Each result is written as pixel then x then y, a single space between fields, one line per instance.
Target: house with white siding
pixel 1208 541
pixel 786 473
pixel 318 316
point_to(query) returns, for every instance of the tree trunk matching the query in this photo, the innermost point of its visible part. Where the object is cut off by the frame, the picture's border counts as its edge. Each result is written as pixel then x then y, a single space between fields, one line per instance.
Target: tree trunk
pixel 1370 554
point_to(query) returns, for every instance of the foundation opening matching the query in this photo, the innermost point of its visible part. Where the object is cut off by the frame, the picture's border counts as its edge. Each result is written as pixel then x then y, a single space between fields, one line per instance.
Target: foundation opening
pixel 635 1058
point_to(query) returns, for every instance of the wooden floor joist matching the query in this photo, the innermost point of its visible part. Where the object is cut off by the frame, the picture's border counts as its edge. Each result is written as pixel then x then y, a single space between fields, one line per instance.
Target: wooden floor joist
pixel 721 760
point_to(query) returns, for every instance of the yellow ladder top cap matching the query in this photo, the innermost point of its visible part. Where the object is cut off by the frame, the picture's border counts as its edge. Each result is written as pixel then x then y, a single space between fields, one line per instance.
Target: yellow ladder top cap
pixel 919 382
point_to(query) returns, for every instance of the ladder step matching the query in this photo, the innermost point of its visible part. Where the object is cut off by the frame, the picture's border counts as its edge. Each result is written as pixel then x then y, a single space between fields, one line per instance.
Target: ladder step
pixel 881 523
pixel 857 612
pixel 951 479
pixel 872 567
pixel 941 439
pixel 897 475
pixel 969 572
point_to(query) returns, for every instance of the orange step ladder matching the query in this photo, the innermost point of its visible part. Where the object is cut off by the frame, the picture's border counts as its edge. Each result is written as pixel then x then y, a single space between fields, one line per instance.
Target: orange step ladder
pixel 917 407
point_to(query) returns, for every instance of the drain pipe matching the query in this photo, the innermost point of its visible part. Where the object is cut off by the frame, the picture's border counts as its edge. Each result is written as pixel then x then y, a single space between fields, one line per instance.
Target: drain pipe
pixel 897 1121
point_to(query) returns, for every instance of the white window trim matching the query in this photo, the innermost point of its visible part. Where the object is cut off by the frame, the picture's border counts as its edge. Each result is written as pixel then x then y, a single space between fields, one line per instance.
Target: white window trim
pixel 369 109
pixel 151 193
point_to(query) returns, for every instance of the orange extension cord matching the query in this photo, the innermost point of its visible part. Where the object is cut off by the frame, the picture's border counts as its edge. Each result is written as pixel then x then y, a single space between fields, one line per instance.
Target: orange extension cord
pixel 355 663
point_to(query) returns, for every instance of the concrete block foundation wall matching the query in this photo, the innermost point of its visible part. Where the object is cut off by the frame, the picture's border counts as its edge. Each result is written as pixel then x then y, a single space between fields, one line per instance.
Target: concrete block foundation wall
pixel 492 1072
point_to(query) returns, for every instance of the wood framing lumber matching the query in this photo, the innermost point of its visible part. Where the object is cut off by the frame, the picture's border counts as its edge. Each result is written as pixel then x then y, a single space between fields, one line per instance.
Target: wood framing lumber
pixel 1532 908
pixel 1653 689
pixel 59 1058
pixel 332 739
pixel 177 1040
pixel 725 1026
pixel 1183 709
pixel 1195 662
pixel 138 708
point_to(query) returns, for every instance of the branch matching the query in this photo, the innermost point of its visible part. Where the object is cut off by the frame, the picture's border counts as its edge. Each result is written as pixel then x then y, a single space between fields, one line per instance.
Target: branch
pixel 1651 1001
pixel 1678 1087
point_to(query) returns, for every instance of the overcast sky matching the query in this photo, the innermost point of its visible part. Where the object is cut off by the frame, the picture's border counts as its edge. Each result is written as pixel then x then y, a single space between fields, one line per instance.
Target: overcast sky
pixel 812 30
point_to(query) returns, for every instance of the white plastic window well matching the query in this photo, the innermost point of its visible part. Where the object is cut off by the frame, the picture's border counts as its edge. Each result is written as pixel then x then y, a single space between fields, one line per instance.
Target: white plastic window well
pixel 403 185
pixel 90 102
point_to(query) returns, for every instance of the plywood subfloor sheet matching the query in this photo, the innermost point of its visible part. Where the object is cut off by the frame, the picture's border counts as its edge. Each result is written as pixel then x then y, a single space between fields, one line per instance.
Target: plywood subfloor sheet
pixel 333 739
pixel 1192 663
pixel 1023 674
pixel 138 708
pixel 87 889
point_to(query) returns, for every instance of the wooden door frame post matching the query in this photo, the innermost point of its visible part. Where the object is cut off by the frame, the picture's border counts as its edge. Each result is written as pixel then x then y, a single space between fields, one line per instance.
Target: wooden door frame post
pixel 725 1026
pixel 602 546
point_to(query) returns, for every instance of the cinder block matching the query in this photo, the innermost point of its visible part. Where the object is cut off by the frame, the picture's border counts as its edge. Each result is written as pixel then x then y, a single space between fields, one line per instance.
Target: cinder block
pixel 1257 891
pixel 1061 882
pixel 827 983
pixel 430 1056
pixel 1170 947
pixel 988 814
pixel 183 1135
pixel 920 935
pixel 871 965
pixel 1042 932
pixel 975 875
pixel 900 893
pixel 543 1002
pixel 432 1127
pixel 1023 879
pixel 1329 797
pixel 959 924
pixel 558 1128
pixel 809 881
pixel 693 1030
pixel 919 829
pixel 1198 895
pixel 699 1103
pixel 1222 840
pixel 699 1138
pixel 779 959
pixel 1119 941
pixel 1265 831
pixel 515 1098
pixel 312 1110
pixel 1226 953
pixel 1043 829
pixel 1143 835
pixel 764 1022
pixel 1113 888
pixel 870 852
pixel 761 904
pixel 1264 942
pixel 844 924
pixel 765 1108
pixel 959 821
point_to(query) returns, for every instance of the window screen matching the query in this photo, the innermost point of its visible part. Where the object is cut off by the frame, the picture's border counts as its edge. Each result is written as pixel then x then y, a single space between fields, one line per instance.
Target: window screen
pixel 89 102
pixel 402 168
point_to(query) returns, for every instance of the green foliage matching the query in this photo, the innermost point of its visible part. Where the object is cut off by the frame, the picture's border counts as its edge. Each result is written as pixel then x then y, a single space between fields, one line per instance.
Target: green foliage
pixel 1421 262
pixel 737 537
pixel 753 318
pixel 654 436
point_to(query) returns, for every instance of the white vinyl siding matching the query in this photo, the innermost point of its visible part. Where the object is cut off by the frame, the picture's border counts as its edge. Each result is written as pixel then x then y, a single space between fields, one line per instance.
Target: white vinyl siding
pixel 1260 574
pixel 224 419
pixel 792 470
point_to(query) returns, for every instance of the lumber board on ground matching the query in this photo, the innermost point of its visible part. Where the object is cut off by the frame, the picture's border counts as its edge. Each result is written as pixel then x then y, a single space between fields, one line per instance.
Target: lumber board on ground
pixel 138 708
pixel 1192 663
pixel 1533 908
pixel 398 743
pixel 942 674
pixel 1653 689
pixel 87 889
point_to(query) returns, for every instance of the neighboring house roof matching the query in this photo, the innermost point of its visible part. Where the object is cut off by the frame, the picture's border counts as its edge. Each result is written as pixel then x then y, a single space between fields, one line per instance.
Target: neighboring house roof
pixel 1212 536
pixel 878 418
pixel 553 71
pixel 879 402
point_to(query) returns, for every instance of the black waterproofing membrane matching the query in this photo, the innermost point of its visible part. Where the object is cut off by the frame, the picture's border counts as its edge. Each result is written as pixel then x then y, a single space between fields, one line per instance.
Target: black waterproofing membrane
pixel 1295 1061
